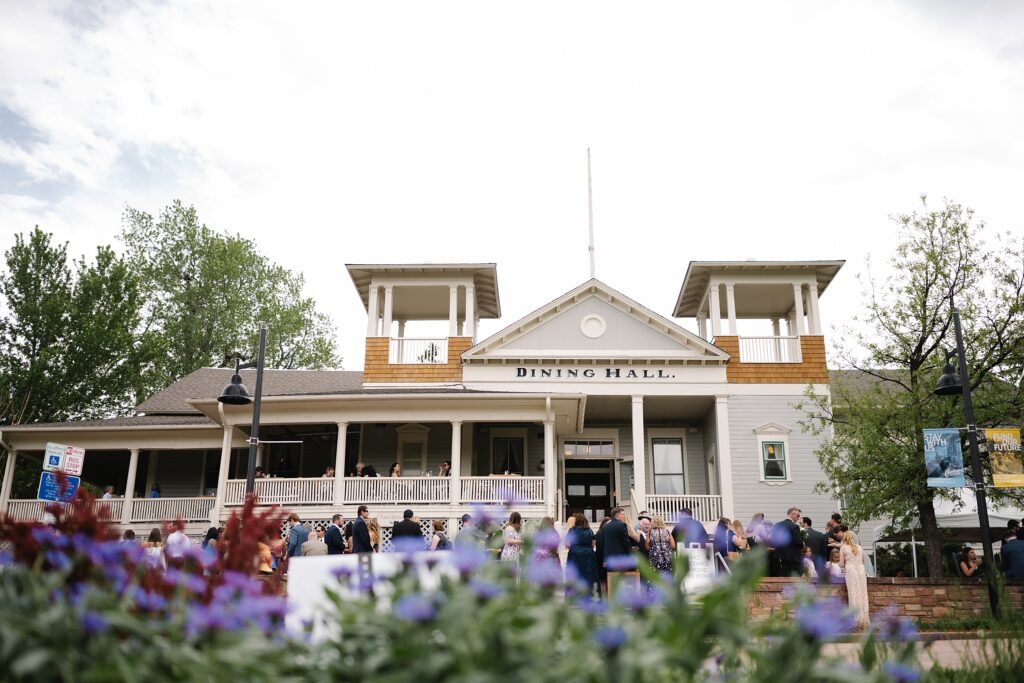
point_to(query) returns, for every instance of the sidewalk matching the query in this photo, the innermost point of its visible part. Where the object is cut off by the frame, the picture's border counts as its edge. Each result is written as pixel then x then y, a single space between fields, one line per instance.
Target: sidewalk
pixel 948 652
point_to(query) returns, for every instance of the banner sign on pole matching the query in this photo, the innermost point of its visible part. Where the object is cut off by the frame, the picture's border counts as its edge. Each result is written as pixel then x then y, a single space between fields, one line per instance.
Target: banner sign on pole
pixel 944 458
pixel 53 459
pixel 59 456
pixel 49 488
pixel 1004 453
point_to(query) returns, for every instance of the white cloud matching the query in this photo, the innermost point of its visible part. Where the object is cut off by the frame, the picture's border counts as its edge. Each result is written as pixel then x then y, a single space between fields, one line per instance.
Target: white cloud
pixel 335 133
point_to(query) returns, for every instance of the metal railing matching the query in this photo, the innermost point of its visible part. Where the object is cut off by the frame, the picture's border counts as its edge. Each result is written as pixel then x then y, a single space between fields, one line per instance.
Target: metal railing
pixel 704 508
pixel 32 510
pixel 498 489
pixel 770 350
pixel 406 350
pixel 274 491
pixel 397 490
pixel 169 509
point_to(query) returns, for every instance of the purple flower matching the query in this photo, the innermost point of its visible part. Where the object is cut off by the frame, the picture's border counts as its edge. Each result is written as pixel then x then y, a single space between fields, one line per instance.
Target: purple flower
pixel 414 607
pixel 190 582
pixel 485 515
pixel 901 673
pixel 548 539
pixel 620 563
pixel 825 619
pixel 408 544
pixel 94 623
pixel 57 560
pixel 467 558
pixel 42 535
pixel 486 590
pixel 344 572
pixel 149 601
pixel 6 559
pixel 510 497
pixel 890 626
pixel 592 606
pixel 610 638
pixel 639 598
pixel 544 572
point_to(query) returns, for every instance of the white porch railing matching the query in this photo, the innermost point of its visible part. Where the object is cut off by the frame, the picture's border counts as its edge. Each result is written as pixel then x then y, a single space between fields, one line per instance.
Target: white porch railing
pixel 770 350
pixel 273 491
pixel 499 489
pixel 32 510
pixel 704 508
pixel 397 490
pixel 418 351
pixel 170 509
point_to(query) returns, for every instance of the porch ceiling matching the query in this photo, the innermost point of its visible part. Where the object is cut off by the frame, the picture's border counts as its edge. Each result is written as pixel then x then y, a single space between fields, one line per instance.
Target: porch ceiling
pixel 656 408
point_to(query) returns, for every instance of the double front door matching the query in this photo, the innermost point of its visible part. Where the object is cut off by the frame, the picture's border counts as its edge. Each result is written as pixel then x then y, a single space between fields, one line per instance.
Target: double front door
pixel 588 488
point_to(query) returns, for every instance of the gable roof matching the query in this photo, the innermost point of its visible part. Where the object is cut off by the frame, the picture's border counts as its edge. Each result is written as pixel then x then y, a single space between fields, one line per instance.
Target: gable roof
pixel 693 349
pixel 209 382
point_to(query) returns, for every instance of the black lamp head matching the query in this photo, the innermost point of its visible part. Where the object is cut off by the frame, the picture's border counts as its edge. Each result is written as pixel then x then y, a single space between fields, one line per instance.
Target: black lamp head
pixel 949 384
pixel 235 393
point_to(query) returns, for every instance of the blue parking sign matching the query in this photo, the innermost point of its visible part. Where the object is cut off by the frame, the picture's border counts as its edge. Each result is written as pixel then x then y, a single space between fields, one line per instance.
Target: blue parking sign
pixel 49 488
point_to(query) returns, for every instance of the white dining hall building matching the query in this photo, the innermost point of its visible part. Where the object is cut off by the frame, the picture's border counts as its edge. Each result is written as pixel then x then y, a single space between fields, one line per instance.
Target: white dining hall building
pixel 590 402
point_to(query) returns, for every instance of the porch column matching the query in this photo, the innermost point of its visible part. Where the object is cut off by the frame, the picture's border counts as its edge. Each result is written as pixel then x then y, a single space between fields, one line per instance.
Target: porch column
pixel 401 329
pixel 129 487
pixel 371 312
pixel 339 465
pixel 470 311
pixel 812 300
pixel 453 310
pixel 716 311
pixel 389 306
pixel 456 460
pixel 5 487
pixel 798 310
pixel 776 328
pixel 702 325
pixel 222 474
pixel 639 459
pixel 730 303
pixel 550 468
pixel 724 456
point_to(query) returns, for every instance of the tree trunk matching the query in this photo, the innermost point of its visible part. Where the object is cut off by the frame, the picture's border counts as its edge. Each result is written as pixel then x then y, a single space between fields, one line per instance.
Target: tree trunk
pixel 932 540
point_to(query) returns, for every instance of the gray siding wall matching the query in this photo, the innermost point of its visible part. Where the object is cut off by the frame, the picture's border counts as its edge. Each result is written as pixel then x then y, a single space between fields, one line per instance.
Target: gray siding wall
pixel 750 495
pixel 696 484
pixel 179 473
pixel 710 446
pixel 380 445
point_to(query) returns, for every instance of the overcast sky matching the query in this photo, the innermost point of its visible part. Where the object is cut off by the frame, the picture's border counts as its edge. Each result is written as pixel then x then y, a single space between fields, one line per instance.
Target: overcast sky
pixel 340 132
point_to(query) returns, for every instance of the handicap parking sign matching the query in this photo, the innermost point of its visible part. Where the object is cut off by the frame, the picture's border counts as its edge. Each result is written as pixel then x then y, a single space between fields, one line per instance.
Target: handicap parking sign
pixel 54 457
pixel 49 488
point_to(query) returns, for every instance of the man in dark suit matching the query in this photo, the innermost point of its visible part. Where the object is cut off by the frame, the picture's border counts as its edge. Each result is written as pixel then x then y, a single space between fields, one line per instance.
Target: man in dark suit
pixel 789 546
pixel 615 539
pixel 818 543
pixel 407 528
pixel 334 539
pixel 1012 554
pixel 361 542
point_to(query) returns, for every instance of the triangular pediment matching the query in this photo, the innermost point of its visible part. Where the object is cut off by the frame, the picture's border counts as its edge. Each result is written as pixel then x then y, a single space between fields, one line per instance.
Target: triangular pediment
pixel 595 323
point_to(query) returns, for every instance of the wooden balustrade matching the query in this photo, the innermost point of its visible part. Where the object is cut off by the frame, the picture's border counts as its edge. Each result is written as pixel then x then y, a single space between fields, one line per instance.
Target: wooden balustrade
pixel 499 489
pixel 170 509
pixel 397 490
pixel 273 491
pixel 704 508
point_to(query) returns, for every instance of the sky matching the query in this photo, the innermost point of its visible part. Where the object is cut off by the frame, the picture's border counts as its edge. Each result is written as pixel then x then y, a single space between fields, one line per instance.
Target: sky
pixel 389 132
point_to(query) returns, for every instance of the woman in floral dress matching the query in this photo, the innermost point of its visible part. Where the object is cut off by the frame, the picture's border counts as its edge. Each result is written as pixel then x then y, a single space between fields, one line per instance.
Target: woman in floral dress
pixel 662 546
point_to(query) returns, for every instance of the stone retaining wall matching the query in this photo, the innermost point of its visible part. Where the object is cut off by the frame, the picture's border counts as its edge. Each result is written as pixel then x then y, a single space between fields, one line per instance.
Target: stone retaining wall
pixel 920 599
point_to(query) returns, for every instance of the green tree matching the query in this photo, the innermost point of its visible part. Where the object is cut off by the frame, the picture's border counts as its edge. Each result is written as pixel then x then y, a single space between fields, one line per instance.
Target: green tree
pixel 873 450
pixel 69 343
pixel 207 291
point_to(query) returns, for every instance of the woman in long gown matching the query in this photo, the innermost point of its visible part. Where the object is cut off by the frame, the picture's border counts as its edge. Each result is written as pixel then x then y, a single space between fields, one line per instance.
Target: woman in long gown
pixel 580 541
pixel 851 559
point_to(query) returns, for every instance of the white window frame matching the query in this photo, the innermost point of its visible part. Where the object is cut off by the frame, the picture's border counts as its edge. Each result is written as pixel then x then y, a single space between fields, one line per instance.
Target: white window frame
pixel 773 432
pixel 667 433
pixel 512 433
pixel 412 433
pixel 598 434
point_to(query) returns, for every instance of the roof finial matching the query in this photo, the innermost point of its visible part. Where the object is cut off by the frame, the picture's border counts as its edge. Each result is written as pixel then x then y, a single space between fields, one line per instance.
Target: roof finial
pixel 590 209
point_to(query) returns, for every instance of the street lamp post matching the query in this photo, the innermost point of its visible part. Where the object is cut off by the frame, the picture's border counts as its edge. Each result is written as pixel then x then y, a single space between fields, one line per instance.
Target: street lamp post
pixel 951 384
pixel 236 394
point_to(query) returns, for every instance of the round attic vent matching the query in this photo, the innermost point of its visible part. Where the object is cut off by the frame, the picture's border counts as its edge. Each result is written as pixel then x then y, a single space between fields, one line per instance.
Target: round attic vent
pixel 593 326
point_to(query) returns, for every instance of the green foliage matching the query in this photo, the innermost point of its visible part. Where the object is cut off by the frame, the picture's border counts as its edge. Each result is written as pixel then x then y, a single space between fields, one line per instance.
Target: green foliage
pixel 69 343
pixel 871 425
pixel 897 560
pixel 207 291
